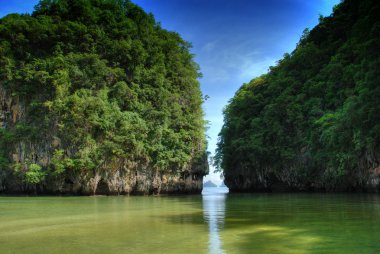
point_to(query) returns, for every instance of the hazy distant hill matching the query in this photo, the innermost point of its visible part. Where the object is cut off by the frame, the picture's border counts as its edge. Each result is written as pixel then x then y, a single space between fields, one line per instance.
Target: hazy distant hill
pixel 209 184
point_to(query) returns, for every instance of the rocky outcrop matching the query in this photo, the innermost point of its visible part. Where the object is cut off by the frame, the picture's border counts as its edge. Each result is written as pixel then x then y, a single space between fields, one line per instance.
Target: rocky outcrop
pixel 362 180
pixel 373 180
pixel 120 182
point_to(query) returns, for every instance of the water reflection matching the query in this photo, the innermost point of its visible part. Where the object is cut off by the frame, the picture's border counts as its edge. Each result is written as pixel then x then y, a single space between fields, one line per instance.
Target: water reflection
pixel 214 206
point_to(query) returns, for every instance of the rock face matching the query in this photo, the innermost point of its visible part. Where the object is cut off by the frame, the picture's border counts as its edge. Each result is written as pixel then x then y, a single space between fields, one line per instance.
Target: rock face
pixel 106 104
pixel 369 182
pixel 120 182
pixel 363 179
pixel 123 177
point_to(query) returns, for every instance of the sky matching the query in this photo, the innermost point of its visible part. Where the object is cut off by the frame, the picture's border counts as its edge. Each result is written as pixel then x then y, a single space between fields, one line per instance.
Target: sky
pixel 233 41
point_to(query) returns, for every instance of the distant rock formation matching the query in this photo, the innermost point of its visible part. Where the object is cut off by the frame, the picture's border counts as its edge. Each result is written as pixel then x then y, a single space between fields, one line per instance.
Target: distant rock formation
pixel 209 184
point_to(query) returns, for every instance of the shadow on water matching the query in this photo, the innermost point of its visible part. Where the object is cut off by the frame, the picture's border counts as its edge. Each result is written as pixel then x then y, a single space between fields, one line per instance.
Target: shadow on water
pixel 285 223
pixel 302 223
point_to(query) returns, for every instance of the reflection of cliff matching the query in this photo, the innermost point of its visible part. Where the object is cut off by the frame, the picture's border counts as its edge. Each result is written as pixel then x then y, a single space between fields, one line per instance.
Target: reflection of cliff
pixel 214 205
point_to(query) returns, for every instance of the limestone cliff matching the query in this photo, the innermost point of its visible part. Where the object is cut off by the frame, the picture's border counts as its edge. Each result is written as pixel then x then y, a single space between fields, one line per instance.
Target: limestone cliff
pixel 311 123
pixel 121 177
pixel 97 98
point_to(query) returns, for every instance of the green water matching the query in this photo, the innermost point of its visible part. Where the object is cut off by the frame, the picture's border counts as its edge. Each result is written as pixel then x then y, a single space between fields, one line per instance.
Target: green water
pixel 212 223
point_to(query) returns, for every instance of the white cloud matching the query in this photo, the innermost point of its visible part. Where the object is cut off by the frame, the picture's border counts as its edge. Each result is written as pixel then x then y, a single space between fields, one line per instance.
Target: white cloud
pixel 233 61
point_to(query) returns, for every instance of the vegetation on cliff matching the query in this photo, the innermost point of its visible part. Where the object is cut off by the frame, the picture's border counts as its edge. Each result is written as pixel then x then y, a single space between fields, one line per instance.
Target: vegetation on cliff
pixel 313 121
pixel 91 87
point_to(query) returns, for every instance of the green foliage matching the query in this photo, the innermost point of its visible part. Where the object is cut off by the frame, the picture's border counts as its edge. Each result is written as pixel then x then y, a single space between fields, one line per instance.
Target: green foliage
pixel 107 80
pixel 313 121
pixel 60 163
pixel 34 174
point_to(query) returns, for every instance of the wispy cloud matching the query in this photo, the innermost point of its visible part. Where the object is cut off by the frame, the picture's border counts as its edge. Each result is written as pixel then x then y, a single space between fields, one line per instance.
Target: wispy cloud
pixel 209 46
pixel 252 68
pixel 226 59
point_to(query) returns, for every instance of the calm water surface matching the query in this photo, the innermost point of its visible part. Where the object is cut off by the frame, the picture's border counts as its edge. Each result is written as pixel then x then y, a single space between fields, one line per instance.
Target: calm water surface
pixel 212 223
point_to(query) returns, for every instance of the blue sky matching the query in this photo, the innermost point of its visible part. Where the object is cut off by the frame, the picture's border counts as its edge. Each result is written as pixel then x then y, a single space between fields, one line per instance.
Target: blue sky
pixel 233 41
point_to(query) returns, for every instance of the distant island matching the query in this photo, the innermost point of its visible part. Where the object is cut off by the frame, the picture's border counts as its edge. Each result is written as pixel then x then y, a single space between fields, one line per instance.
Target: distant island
pixel 209 184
